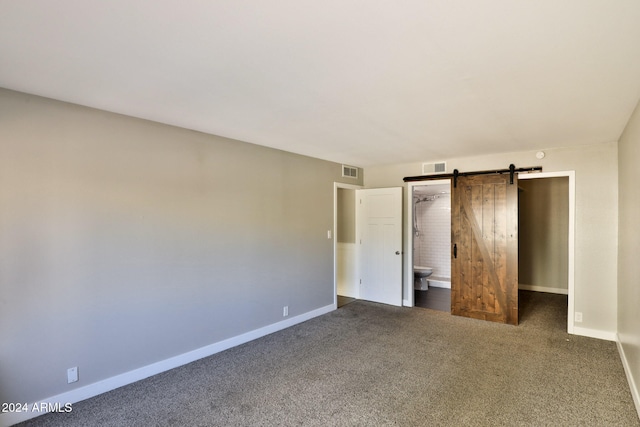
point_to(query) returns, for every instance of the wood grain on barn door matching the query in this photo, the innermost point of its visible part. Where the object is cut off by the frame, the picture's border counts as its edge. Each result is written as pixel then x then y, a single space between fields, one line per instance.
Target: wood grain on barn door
pixel 484 263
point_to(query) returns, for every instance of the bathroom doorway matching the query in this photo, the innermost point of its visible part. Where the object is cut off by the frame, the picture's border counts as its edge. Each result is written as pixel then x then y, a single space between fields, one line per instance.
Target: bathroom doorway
pixel 431 243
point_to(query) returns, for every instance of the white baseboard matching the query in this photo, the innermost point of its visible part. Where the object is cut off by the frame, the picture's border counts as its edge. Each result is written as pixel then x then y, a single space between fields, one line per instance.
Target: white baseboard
pixel 91 390
pixel 595 333
pixel 627 370
pixel 438 282
pixel 547 289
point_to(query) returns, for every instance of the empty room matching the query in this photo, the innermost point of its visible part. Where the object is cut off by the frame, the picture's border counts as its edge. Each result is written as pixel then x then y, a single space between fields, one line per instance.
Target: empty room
pixel 240 213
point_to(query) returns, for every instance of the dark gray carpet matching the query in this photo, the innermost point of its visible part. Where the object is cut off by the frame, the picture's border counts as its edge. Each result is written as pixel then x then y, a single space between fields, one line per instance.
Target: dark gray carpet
pixel 368 364
pixel 342 300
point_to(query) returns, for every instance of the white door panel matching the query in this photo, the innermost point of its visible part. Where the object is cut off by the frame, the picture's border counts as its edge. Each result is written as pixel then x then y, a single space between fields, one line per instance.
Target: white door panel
pixel 380 238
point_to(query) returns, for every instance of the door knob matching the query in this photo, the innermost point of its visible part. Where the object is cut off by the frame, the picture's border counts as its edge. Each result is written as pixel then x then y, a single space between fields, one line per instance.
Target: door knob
pixel 397 252
pixel 455 250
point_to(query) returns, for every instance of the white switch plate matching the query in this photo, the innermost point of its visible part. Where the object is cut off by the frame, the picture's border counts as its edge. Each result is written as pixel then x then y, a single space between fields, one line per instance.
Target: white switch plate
pixel 328 234
pixel 578 317
pixel 72 375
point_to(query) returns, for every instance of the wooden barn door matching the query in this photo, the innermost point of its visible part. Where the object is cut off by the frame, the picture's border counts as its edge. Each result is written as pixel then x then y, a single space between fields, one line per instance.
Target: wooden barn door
pixel 484 262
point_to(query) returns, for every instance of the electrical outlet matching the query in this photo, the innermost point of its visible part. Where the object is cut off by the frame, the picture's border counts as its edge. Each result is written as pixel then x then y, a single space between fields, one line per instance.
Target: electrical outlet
pixel 578 317
pixel 72 375
pixel 285 311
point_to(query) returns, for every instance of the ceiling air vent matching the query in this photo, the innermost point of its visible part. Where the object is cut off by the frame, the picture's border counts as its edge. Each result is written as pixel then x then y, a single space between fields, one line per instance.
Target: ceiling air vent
pixel 349 171
pixel 433 168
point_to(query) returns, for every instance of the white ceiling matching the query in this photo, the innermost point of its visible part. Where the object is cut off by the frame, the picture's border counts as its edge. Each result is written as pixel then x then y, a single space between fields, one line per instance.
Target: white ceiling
pixel 357 82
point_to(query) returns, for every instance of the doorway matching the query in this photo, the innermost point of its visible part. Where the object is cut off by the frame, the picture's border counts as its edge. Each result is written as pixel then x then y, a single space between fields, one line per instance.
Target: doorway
pixel 367 244
pixel 431 243
pixel 547 234
pixel 345 271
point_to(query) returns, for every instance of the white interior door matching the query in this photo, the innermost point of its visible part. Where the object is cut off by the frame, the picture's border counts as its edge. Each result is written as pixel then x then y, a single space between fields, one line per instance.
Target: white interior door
pixel 379 219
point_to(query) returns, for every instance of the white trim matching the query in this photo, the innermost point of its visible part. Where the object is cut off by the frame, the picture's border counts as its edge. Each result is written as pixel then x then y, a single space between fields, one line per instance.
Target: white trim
pixel 91 390
pixel 547 289
pixel 627 370
pixel 439 282
pixel 572 233
pixel 594 333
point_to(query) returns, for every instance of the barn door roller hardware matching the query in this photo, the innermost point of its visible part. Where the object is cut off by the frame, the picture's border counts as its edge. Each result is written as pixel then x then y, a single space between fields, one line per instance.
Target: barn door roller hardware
pixel 456 173
pixel 511 171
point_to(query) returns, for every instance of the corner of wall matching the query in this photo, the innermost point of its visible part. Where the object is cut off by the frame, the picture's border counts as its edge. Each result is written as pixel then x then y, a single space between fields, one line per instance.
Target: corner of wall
pixel 628 372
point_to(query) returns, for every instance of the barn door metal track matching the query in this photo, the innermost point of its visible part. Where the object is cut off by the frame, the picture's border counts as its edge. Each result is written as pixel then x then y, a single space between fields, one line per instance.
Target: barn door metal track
pixel 511 171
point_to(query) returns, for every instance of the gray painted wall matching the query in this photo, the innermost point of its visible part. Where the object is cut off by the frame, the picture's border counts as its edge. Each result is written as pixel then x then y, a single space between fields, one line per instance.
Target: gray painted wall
pixel 124 242
pixel 629 251
pixel 543 231
pixel 346 215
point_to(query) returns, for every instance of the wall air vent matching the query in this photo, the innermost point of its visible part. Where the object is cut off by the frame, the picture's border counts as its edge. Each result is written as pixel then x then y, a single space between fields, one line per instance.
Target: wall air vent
pixel 349 171
pixel 434 168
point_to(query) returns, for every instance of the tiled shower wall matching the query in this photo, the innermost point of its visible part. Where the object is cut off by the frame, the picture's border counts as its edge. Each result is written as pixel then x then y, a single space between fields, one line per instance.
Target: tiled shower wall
pixel 432 245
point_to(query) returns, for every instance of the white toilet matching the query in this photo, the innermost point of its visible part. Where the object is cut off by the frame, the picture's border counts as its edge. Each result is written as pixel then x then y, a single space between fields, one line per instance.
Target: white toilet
pixel 419 275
